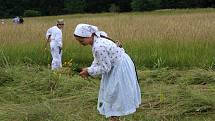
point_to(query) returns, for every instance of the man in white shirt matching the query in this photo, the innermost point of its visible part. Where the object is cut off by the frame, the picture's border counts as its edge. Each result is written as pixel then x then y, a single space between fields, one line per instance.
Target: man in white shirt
pixel 54 36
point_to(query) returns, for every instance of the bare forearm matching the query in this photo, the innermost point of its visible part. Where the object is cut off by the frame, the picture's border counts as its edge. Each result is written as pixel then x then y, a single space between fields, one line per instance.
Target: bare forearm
pixel 47 41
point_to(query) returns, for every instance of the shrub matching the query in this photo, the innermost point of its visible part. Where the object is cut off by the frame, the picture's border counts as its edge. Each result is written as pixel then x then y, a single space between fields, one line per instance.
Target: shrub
pixel 31 13
pixel 114 8
pixel 145 5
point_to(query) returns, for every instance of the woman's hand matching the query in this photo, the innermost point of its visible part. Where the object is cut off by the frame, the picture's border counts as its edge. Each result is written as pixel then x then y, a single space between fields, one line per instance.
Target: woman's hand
pixel 84 73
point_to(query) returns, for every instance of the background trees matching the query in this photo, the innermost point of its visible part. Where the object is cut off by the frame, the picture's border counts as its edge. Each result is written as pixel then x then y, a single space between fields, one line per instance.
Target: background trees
pixel 10 8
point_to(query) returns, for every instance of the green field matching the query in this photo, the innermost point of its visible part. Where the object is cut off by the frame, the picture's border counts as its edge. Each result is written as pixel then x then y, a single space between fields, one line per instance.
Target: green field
pixel 174 51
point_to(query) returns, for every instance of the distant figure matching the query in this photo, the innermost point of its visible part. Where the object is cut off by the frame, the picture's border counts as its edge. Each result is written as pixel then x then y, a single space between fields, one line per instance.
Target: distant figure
pixel 21 20
pixel 2 21
pixel 54 36
pixel 16 20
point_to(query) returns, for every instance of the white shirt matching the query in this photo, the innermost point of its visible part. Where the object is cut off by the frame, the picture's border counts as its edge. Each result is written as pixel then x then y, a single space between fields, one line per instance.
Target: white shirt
pixel 16 20
pixel 106 54
pixel 56 36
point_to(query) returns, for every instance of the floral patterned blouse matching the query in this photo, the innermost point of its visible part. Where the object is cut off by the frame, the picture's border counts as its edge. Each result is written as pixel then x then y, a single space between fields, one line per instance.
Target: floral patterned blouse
pixel 106 55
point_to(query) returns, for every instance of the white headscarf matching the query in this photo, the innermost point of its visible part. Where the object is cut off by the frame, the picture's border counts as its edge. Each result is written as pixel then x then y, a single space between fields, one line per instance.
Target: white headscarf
pixel 86 30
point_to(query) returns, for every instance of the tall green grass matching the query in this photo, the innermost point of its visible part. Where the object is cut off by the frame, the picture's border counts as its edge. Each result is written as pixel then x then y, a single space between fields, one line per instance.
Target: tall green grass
pixel 166 38
pixel 145 54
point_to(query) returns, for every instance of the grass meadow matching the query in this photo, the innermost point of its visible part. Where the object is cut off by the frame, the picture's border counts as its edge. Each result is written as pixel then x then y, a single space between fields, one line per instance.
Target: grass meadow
pixel 174 51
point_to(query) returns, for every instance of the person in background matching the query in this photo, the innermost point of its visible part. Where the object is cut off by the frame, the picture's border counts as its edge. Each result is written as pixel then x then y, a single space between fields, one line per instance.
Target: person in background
pixel 54 37
pixel 119 92
pixel 2 21
pixel 21 20
pixel 16 20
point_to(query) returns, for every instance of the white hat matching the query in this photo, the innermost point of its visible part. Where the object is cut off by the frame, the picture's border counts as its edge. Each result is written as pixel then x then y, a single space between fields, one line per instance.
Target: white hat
pixel 60 21
pixel 85 30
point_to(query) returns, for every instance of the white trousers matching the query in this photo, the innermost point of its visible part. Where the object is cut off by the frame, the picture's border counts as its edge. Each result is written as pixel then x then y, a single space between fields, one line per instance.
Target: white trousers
pixel 56 53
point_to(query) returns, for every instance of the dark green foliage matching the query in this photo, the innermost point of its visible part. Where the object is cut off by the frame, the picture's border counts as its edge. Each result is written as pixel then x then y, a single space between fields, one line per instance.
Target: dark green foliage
pixel 31 13
pixel 97 6
pixel 114 8
pixel 11 8
pixel 74 6
pixel 187 3
pixel 124 5
pixel 145 5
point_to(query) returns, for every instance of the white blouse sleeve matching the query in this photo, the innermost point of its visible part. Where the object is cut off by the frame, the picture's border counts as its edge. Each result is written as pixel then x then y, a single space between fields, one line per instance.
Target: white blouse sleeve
pixel 101 63
pixel 94 63
pixel 48 33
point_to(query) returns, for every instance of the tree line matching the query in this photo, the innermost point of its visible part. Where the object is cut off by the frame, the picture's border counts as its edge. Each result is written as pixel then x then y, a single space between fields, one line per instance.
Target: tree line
pixel 11 8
